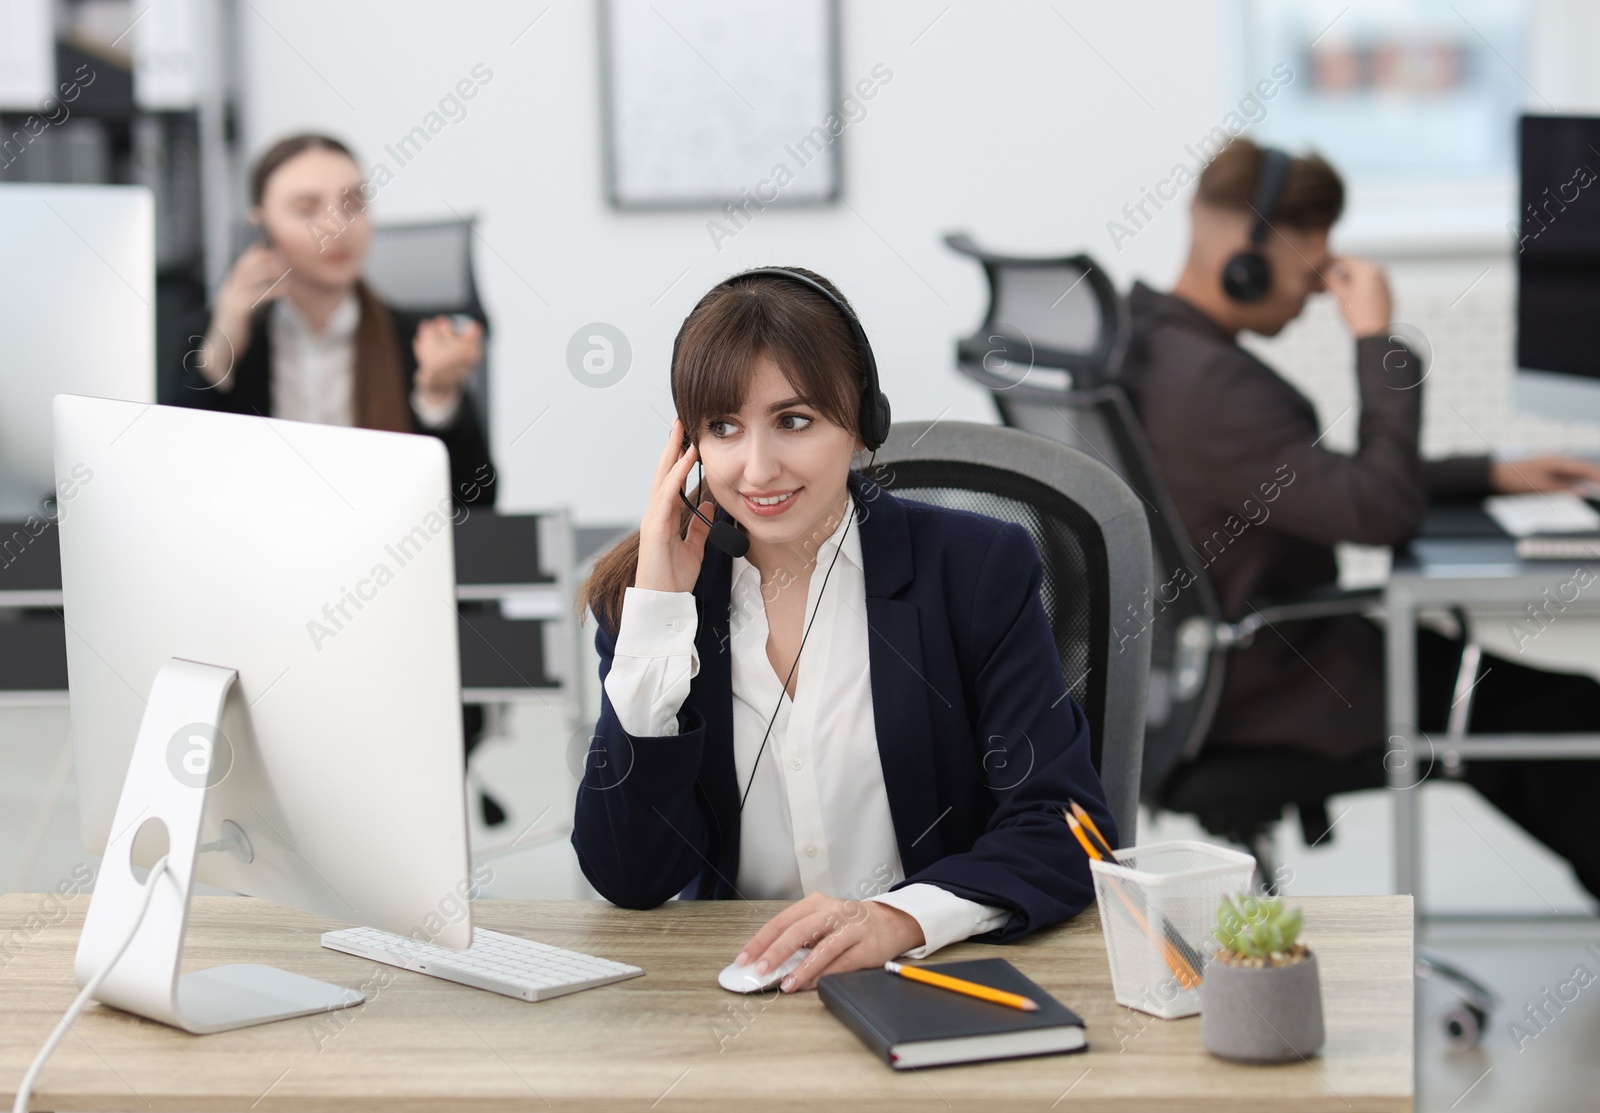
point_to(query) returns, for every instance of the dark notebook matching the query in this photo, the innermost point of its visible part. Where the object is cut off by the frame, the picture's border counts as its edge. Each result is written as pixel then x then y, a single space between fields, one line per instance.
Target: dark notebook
pixel 910 1024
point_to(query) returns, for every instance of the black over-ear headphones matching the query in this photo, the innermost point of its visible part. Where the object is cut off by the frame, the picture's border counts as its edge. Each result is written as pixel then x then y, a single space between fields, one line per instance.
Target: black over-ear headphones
pixel 1247 276
pixel 872 422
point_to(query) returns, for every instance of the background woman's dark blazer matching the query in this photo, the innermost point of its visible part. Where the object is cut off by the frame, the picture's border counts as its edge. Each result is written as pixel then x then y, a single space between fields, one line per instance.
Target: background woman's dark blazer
pixel 980 744
pixel 471 472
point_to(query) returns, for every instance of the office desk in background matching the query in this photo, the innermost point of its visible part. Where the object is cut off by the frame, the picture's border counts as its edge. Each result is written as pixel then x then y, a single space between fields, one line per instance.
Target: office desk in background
pixel 1462 559
pixel 516 629
pixel 673 1038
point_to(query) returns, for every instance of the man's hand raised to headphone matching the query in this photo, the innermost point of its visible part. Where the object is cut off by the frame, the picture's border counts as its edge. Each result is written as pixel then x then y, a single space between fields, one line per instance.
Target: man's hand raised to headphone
pixel 1363 294
pixel 669 560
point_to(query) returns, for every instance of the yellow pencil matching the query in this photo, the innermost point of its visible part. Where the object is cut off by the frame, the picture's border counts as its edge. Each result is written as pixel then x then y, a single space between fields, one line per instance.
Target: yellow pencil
pixel 1088 821
pixel 1083 840
pixel 961 985
pixel 1182 968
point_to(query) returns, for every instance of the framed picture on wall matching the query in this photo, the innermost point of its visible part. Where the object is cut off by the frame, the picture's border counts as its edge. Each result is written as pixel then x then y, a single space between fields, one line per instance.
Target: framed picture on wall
pixel 707 103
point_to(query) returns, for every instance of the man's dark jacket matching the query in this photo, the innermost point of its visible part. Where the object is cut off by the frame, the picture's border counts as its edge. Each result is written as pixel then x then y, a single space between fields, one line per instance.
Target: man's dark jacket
pixel 1264 502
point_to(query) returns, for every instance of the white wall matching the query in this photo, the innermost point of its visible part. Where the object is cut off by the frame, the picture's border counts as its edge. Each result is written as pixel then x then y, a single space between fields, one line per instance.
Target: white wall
pixel 999 119
pixel 1028 123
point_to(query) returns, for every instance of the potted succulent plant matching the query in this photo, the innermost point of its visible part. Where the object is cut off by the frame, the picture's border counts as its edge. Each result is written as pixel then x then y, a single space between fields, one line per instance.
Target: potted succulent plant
pixel 1262 1000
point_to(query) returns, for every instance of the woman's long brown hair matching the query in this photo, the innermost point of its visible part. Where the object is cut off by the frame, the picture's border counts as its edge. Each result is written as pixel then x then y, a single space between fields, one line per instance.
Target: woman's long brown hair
pixel 379 400
pixel 717 349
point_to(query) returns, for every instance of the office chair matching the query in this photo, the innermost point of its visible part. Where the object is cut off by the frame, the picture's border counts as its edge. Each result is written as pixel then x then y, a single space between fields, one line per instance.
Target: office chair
pixel 1092 537
pixel 425 268
pixel 1048 351
pixel 1050 363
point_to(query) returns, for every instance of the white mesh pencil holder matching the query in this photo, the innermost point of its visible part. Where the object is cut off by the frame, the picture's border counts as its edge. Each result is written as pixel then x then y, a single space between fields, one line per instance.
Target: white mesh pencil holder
pixel 1158 907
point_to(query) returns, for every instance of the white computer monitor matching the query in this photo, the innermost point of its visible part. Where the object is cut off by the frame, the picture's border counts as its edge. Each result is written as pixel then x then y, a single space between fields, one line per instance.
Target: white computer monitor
pixel 77 314
pixel 316 565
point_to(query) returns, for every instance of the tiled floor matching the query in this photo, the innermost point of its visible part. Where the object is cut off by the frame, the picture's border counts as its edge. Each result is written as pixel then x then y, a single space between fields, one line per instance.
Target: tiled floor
pixel 1539 1065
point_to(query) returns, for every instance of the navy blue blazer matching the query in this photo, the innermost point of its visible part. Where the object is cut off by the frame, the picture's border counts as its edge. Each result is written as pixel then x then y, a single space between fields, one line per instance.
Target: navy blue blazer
pixel 980 743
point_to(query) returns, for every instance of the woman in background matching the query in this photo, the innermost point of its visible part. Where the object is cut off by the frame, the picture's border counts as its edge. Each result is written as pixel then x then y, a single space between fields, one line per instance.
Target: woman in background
pixel 296 333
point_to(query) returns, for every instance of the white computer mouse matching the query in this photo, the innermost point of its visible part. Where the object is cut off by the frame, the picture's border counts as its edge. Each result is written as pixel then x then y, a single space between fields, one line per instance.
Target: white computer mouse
pixel 744 979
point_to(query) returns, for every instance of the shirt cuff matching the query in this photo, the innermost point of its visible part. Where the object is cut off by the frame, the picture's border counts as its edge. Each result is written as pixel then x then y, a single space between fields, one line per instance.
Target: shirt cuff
pixel 657 624
pixel 435 415
pixel 653 661
pixel 944 917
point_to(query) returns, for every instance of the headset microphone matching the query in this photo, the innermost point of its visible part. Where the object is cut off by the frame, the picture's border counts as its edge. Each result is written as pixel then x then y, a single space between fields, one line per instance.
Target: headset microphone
pixel 724 535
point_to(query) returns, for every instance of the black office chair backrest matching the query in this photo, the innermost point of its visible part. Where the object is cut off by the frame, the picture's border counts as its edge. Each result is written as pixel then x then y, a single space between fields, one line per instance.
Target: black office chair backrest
pixel 1077 402
pixel 426 268
pixel 1046 316
pixel 1094 543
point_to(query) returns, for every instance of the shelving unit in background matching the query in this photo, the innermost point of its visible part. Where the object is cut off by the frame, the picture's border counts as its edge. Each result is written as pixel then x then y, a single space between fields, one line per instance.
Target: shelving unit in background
pixel 113 92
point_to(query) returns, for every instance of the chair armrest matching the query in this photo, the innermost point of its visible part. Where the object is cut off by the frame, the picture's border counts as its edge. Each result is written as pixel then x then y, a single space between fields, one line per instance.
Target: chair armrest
pixel 1323 602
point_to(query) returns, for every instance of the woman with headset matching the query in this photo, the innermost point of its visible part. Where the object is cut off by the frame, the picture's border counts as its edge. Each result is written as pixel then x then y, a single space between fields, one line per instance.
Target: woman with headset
pixel 849 700
pixel 295 332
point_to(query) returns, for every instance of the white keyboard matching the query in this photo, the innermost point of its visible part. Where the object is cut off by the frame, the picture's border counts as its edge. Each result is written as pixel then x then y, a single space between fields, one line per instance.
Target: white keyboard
pixel 1559 548
pixel 1553 512
pixel 496 962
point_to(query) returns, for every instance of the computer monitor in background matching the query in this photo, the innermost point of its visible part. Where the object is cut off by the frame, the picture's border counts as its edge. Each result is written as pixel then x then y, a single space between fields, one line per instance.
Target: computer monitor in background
pixel 77 316
pixel 293 585
pixel 1558 268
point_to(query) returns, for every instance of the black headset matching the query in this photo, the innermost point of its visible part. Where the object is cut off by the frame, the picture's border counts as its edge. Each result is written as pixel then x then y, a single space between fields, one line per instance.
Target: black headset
pixel 1247 276
pixel 872 422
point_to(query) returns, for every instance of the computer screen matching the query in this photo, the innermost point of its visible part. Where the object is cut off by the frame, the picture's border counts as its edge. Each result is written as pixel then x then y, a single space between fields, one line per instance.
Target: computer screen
pixel 1558 265
pixel 77 314
pixel 317 563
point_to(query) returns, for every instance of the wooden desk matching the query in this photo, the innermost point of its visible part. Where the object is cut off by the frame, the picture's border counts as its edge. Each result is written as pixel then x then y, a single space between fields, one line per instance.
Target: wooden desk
pixel 672 1038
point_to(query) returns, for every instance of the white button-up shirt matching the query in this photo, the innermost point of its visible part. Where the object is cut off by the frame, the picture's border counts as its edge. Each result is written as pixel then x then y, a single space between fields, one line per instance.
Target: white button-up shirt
pixel 313 373
pixel 817 815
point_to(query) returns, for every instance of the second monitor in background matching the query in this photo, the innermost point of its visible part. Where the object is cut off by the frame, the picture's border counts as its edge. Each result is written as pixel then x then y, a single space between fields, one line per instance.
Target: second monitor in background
pixel 1558 268
pixel 77 315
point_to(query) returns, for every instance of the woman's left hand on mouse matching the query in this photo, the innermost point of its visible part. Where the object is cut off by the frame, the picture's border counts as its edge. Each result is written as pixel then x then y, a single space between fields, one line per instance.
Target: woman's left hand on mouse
pixel 842 934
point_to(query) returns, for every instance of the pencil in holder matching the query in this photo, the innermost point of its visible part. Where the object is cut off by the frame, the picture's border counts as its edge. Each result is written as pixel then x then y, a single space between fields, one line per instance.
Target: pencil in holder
pixel 1158 906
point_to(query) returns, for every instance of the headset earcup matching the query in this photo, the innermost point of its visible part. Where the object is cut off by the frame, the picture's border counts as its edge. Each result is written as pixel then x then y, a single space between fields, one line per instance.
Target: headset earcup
pixel 1247 276
pixel 875 420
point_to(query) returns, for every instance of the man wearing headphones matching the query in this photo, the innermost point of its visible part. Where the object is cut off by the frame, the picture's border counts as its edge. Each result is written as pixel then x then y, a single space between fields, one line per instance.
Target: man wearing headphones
pixel 1264 499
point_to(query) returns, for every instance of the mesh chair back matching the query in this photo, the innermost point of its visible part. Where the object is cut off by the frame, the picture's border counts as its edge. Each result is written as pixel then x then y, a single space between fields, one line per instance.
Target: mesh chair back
pixel 1051 321
pixel 1082 406
pixel 1176 616
pixel 426 268
pixel 1093 541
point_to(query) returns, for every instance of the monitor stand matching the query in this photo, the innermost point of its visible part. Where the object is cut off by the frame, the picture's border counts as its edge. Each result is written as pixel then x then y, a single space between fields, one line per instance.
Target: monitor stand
pixel 181 719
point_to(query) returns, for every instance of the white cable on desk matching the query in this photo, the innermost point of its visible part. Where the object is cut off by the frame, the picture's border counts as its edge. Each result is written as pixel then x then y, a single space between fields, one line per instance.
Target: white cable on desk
pixel 25 1091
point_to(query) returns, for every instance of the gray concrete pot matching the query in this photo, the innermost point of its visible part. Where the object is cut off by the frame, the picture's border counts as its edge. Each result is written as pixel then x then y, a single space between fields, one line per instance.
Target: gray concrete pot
pixel 1264 1015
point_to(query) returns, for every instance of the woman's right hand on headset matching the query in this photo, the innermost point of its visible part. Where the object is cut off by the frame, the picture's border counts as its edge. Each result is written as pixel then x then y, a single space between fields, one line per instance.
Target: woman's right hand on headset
pixel 669 560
